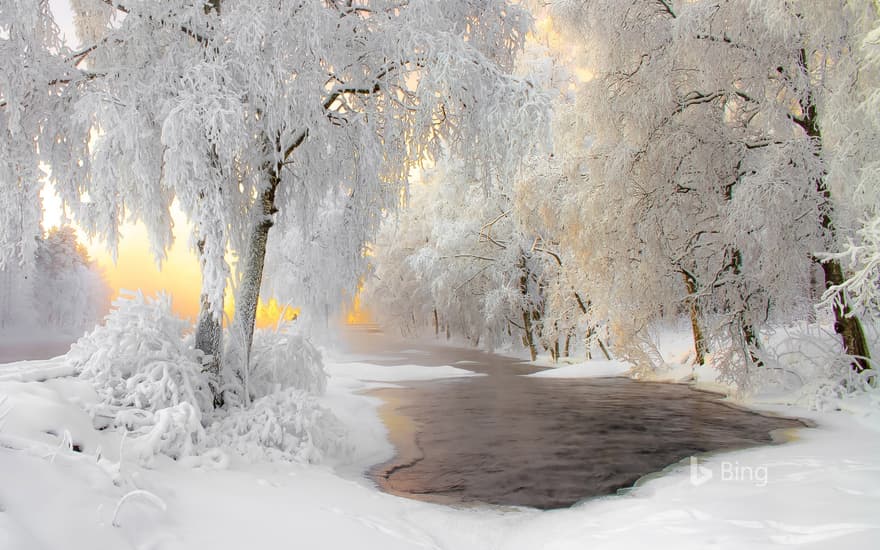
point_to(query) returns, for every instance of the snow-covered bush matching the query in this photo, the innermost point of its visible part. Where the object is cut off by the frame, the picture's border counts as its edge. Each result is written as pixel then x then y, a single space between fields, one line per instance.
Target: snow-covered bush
pixel 174 431
pixel 284 420
pixel 147 375
pixel 804 364
pixel 282 359
pixel 285 425
pixel 150 383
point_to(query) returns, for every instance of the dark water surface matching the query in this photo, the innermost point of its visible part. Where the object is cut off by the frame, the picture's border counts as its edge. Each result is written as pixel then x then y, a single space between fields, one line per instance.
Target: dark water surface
pixel 547 443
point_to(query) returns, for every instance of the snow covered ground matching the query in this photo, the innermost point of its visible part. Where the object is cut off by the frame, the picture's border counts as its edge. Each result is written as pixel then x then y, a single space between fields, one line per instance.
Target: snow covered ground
pixel 820 489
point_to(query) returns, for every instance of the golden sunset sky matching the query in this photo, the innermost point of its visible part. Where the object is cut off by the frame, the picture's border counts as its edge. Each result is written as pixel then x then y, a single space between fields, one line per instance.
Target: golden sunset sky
pixel 135 267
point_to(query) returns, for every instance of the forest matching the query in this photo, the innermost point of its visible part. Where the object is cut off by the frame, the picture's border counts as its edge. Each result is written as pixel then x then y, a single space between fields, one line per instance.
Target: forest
pixel 676 190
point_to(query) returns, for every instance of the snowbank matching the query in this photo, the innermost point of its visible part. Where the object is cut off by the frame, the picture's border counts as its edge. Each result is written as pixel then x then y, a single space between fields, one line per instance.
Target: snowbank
pixel 588 369
pixel 36 371
pixel 396 373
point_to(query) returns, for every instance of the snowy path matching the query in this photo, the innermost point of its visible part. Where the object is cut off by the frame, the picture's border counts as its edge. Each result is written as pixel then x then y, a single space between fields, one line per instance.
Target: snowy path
pixel 820 491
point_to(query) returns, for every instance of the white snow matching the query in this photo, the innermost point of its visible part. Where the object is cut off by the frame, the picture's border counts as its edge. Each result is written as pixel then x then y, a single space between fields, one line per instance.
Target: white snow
pixel 587 369
pixel 396 373
pixel 28 371
pixel 820 490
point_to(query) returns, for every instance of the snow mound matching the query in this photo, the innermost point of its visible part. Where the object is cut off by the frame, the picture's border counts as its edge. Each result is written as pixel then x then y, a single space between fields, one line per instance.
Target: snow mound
pixel 35 370
pixel 287 425
pixel 49 414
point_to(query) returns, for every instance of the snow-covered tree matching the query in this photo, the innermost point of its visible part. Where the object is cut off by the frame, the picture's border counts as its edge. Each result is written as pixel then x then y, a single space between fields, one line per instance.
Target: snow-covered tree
pixel 854 174
pixel 456 258
pixel 248 113
pixel 707 169
pixel 490 258
pixel 465 258
pixel 69 289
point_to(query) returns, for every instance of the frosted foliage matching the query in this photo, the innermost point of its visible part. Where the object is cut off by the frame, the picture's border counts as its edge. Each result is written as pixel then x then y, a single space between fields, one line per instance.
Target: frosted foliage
pixel 288 425
pixel 313 99
pixel 147 376
pixel 457 249
pixel 707 132
pixel 317 259
pixel 90 19
pixel 282 359
pixel 26 29
pixel 862 256
pixel 150 383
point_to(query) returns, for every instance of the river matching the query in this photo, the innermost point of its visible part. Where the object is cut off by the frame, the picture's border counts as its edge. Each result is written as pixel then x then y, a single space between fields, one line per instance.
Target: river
pixel 507 439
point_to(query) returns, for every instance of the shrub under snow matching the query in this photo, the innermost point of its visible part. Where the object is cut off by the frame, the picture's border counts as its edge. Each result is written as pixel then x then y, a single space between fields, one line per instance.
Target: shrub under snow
pixel 285 420
pixel 285 425
pixel 150 382
pixel 282 359
pixel 147 375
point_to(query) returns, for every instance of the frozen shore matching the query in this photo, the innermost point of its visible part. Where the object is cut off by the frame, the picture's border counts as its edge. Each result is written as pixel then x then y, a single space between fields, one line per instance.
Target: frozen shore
pixel 821 488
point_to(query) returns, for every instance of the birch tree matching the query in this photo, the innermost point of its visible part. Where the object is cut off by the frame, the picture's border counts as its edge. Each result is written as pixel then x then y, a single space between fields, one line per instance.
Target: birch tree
pixel 242 111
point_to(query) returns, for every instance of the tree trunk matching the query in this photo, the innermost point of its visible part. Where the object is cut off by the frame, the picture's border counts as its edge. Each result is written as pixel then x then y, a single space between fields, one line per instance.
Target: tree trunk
pixel 209 336
pixel 209 340
pixel 588 342
pixel 436 324
pixel 526 313
pixel 846 324
pixel 529 338
pixel 591 333
pixel 252 267
pixel 752 343
pixel 567 348
pixel 604 349
pixel 699 339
